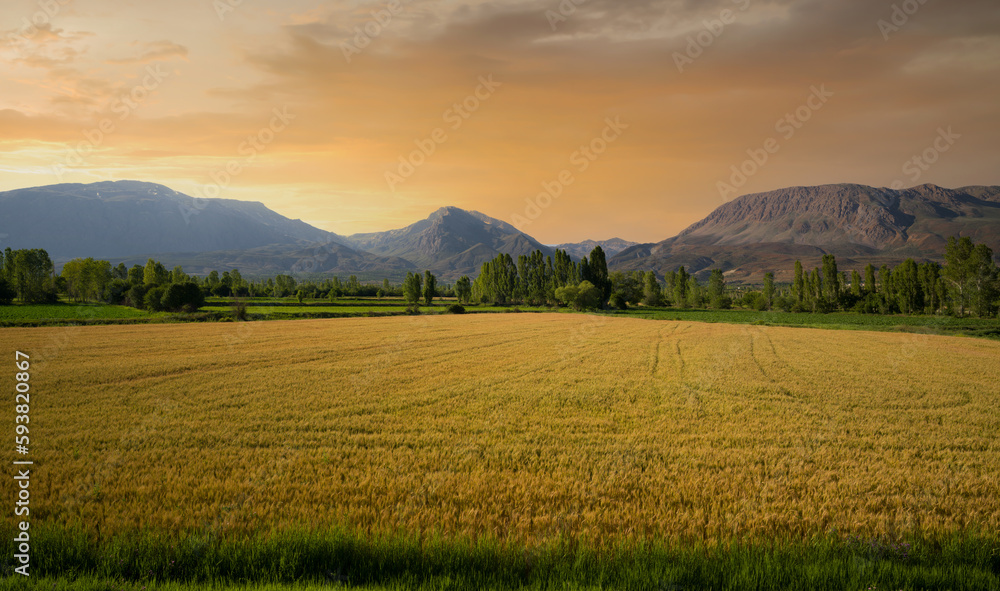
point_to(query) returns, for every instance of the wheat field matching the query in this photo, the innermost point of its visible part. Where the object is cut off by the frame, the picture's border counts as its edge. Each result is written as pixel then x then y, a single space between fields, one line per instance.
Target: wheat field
pixel 524 427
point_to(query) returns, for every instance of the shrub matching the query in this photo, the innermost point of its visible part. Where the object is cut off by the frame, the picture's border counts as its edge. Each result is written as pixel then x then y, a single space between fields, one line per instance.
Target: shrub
pixel 182 296
pixel 6 292
pixel 239 307
pixel 154 299
pixel 456 309
pixel 136 297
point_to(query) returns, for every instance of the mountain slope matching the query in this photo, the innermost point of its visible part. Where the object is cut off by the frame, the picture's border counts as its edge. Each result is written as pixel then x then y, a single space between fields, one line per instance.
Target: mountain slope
pixel 450 242
pixel 110 219
pixel 270 260
pixel 132 221
pixel 611 247
pixel 768 231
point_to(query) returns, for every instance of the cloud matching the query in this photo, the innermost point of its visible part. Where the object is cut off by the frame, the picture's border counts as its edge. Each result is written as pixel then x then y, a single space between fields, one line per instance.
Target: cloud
pixel 155 51
pixel 561 78
pixel 40 34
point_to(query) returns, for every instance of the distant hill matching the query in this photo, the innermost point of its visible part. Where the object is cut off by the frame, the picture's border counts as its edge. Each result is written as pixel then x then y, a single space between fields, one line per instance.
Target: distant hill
pixel 131 220
pixel 611 247
pixel 330 257
pixel 119 218
pixel 859 224
pixel 450 242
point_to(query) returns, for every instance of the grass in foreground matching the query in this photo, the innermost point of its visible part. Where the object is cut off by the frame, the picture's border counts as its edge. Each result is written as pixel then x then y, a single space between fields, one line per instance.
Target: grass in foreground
pixel 71 559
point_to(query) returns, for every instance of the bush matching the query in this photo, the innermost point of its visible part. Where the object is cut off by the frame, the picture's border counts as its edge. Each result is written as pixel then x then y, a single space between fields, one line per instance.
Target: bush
pixel 6 292
pixel 136 297
pixel 456 309
pixel 154 299
pixel 116 291
pixel 618 301
pixel 239 307
pixel 182 296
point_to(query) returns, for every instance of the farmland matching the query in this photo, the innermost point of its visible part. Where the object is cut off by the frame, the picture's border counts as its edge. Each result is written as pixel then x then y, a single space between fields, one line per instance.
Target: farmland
pixel 575 437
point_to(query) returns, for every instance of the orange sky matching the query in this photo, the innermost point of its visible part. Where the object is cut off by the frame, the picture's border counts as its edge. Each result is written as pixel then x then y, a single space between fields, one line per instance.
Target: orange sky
pixel 313 105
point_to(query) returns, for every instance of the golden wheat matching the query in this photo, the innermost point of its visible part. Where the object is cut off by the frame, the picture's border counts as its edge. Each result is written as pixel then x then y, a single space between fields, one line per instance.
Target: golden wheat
pixel 526 427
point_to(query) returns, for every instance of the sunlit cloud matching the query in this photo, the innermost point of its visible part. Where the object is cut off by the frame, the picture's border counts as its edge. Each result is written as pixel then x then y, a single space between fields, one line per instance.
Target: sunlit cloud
pixel 368 86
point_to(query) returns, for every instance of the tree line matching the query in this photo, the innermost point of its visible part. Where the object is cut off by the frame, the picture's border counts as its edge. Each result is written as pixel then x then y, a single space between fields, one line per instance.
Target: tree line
pixel 968 283
pixel 29 276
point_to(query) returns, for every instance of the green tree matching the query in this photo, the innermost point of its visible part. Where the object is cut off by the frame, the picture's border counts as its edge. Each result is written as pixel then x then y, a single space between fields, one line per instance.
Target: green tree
pixel 567 294
pixel 984 275
pixel 31 275
pixel 799 284
pixel 178 275
pixel 971 277
pixel 353 285
pixel 186 296
pixel 135 275
pixel 768 292
pixel 599 273
pixel 136 296
pixel 154 273
pixel 695 292
pixel 411 288
pixel 652 293
pixel 831 281
pixel 681 288
pixel 154 298
pixel 564 270
pixel 589 296
pixel 463 289
pixel 815 292
pixel 7 292
pixel 870 287
pixel 628 287
pixel 87 279
pixel 430 287
pixel 717 291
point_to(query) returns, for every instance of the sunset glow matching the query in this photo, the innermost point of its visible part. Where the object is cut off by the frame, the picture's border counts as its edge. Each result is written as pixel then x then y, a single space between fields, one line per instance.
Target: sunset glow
pixel 575 119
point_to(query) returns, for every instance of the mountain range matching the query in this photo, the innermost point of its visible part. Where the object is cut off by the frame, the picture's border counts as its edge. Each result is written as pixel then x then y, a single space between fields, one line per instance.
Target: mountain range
pixel 131 221
pixel 768 231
